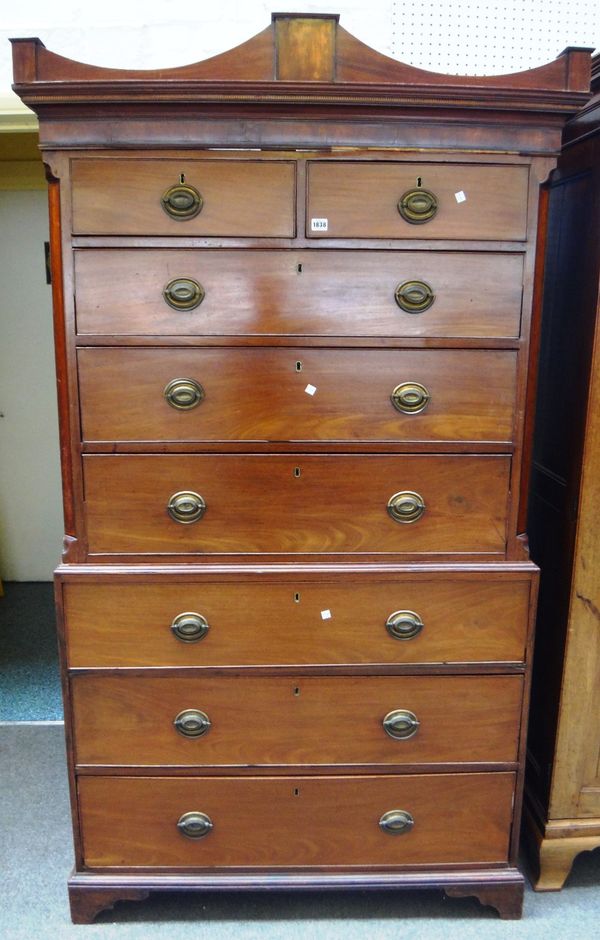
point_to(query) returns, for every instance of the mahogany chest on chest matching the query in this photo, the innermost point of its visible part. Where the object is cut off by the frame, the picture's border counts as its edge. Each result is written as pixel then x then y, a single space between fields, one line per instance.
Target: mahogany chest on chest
pixel 294 288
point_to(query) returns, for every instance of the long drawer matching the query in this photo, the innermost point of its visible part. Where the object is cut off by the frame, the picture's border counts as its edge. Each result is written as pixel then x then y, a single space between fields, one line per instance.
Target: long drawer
pixel 299 504
pixel 237 197
pixel 361 200
pixel 256 622
pixel 311 293
pixel 275 720
pixel 303 821
pixel 297 395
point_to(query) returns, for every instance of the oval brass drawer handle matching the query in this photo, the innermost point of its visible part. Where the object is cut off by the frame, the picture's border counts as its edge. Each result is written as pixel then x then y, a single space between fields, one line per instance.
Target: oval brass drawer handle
pixel 192 723
pixel 183 394
pixel 181 201
pixel 414 296
pixel 183 293
pixel 401 724
pixel 189 627
pixel 406 506
pixel 417 206
pixel 396 822
pixel 404 624
pixel 186 507
pixel 410 398
pixel 195 825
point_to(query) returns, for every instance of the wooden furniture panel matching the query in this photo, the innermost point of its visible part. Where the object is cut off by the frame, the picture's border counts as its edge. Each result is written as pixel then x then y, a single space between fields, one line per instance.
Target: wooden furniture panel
pixel 290 156
pixel 360 200
pixel 317 821
pixel 563 782
pixel 298 292
pixel 298 622
pixel 268 721
pixel 298 395
pixel 310 504
pixel 241 197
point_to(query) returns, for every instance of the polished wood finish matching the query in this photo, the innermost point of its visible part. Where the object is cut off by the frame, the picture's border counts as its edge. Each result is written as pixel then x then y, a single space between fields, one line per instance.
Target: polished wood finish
pixel 335 504
pixel 293 822
pixel 302 622
pixel 563 788
pixel 308 120
pixel 123 197
pixel 297 395
pixel 361 200
pixel 298 293
pixel 319 721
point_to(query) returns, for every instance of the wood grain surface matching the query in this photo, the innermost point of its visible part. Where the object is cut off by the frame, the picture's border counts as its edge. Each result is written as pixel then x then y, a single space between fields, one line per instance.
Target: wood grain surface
pixel 307 821
pixel 261 504
pixel 299 622
pixel 241 197
pixel 267 720
pixel 297 292
pixel 297 394
pixel 360 200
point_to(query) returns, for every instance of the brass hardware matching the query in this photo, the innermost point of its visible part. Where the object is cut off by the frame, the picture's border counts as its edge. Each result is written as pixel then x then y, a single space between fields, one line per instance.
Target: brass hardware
pixel 414 296
pixel 410 398
pixel 192 723
pixel 183 394
pixel 396 822
pixel 183 293
pixel 194 825
pixel 404 624
pixel 190 627
pixel 401 724
pixel 417 206
pixel 181 201
pixel 186 507
pixel 406 506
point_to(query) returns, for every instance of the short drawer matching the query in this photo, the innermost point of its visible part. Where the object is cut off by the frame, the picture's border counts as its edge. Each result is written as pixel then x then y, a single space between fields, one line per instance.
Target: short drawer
pixel 295 821
pixel 304 504
pixel 266 395
pixel 361 200
pixel 309 293
pixel 237 197
pixel 349 620
pixel 322 721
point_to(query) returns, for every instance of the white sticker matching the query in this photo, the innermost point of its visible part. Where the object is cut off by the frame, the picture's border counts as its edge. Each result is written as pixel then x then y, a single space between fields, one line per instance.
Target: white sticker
pixel 460 197
pixel 318 225
pixel 325 615
pixel 310 389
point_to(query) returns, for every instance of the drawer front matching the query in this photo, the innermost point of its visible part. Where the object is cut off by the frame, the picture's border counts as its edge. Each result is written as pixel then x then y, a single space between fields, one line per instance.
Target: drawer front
pixel 292 822
pixel 297 395
pixel 311 293
pixel 292 721
pixel 239 197
pixel 297 622
pixel 316 504
pixel 360 200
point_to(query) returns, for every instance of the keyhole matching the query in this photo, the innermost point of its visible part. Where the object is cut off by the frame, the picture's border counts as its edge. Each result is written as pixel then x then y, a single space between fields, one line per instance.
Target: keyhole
pixel 296 791
pixel 297 597
pixel 299 269
pixel 296 691
pixel 298 366
pixel 418 180
pixel 182 178
pixel 297 472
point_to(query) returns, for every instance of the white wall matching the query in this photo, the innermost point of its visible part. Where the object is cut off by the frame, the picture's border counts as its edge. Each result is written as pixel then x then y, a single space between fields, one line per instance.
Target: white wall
pixel 30 503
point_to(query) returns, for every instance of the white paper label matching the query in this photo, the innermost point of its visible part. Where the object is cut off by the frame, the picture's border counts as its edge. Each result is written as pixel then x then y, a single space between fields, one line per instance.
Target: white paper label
pixel 325 615
pixel 460 196
pixel 318 225
pixel 310 389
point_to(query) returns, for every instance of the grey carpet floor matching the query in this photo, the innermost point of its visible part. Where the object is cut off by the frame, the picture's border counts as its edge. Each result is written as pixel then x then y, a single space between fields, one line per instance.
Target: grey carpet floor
pixel 36 857
pixel 30 686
